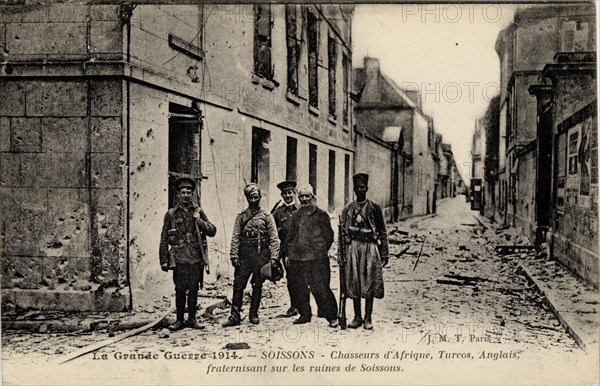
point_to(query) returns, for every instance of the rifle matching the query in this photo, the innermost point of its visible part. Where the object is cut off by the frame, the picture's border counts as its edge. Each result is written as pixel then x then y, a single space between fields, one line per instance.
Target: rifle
pixel 203 243
pixel 341 264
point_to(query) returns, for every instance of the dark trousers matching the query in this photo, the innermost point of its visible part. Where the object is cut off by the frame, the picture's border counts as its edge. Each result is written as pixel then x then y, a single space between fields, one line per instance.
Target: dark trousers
pixel 251 261
pixel 291 285
pixel 313 276
pixel 187 278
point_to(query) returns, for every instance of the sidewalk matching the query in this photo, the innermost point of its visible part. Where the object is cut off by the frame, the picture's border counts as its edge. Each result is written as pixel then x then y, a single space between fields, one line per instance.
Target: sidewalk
pixel 575 303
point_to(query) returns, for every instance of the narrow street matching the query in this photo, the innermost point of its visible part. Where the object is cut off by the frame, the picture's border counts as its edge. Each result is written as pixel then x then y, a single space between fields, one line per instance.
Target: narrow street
pixel 460 306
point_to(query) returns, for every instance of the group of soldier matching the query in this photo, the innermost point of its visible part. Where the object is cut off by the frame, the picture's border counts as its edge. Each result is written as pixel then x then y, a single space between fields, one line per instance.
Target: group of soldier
pixel 296 233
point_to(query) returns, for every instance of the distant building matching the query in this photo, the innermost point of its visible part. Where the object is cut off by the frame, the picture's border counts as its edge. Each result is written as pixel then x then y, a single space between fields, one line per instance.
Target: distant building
pixel 477 172
pixel 384 104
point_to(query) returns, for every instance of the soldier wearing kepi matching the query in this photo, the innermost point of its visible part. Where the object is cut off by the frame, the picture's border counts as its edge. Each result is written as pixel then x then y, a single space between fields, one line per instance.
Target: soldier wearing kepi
pixel 253 243
pixel 183 249
pixel 309 238
pixel 282 215
pixel 364 238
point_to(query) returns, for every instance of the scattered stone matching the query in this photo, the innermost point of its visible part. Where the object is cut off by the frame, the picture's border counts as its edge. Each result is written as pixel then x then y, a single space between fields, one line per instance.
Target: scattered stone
pixel 43 328
pixel 82 287
pixel 164 333
pixel 237 346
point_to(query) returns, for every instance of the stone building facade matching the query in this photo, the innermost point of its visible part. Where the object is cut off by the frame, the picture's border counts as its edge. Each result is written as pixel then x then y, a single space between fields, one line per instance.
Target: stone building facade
pixel 383 104
pixel 524 48
pixel 104 105
pixel 568 140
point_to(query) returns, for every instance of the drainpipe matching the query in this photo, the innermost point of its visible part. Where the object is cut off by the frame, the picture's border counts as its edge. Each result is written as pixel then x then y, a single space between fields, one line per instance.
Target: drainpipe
pixel 126 13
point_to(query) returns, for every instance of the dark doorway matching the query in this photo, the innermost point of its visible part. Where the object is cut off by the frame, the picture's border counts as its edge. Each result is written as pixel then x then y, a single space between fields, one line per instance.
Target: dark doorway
pixel 291 159
pixel 312 166
pixel 544 174
pixel 260 173
pixel 184 147
pixel 331 182
pixel 346 179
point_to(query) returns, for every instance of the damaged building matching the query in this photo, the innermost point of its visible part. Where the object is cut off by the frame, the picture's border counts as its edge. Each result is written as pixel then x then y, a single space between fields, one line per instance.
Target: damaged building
pixel 102 106
pixel 547 176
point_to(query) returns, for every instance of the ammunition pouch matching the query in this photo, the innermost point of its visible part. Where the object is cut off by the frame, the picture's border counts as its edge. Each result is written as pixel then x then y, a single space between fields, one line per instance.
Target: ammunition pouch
pixel 362 234
pixel 173 238
pixel 172 263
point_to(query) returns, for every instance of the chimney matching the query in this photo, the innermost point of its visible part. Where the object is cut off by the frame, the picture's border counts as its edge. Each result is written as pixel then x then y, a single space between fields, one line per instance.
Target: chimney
pixel 371 92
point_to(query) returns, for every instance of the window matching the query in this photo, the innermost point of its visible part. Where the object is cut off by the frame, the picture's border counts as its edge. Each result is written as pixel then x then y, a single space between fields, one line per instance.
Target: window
pixel 332 61
pixel 313 57
pixel 291 159
pixel 346 81
pixel 331 182
pixel 573 139
pixel 262 41
pixel 312 166
pixel 346 178
pixel 293 48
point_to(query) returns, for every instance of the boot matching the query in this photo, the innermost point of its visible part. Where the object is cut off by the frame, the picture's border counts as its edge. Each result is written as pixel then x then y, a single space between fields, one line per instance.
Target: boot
pixel 368 311
pixel 255 303
pixel 192 307
pixel 358 320
pixel 234 318
pixel 180 307
pixel 302 320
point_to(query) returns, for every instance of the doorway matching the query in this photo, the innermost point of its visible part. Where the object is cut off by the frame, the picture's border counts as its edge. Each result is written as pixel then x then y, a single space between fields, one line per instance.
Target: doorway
pixel 184 148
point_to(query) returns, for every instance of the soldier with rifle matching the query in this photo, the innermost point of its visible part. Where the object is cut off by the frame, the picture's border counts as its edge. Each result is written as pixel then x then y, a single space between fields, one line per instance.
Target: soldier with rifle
pixel 183 249
pixel 364 251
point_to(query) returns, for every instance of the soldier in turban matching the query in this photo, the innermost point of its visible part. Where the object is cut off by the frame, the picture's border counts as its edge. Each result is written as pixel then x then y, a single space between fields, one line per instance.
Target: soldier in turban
pixel 364 238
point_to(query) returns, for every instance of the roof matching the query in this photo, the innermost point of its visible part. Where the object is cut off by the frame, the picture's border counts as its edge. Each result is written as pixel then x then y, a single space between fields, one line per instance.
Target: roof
pixel 389 93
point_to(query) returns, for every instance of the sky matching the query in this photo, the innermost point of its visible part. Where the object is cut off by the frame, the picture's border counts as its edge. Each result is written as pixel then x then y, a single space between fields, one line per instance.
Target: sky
pixel 446 51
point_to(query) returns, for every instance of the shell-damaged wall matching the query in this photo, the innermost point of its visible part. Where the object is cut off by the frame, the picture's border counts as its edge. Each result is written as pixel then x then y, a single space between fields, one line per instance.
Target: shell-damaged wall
pixel 61 179
pixel 61 189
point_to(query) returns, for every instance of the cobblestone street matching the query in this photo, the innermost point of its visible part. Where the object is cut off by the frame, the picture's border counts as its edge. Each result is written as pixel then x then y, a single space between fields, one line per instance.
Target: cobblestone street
pixel 460 306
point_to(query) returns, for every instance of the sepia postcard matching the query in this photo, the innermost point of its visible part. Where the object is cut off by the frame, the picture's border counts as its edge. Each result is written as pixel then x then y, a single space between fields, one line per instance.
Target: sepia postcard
pixel 299 193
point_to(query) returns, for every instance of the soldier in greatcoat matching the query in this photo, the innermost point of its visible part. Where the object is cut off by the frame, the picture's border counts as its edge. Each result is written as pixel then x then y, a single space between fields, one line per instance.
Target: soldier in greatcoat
pixel 183 249
pixel 364 238
pixel 253 243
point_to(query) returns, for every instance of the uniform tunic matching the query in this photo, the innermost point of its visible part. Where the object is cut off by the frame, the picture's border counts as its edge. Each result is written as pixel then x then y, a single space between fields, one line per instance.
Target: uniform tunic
pixel 188 250
pixel 365 238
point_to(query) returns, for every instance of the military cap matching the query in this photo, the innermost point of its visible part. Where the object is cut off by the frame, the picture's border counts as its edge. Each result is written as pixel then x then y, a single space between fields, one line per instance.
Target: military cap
pixel 185 182
pixel 286 185
pixel 361 179
pixel 251 188
pixel 306 189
